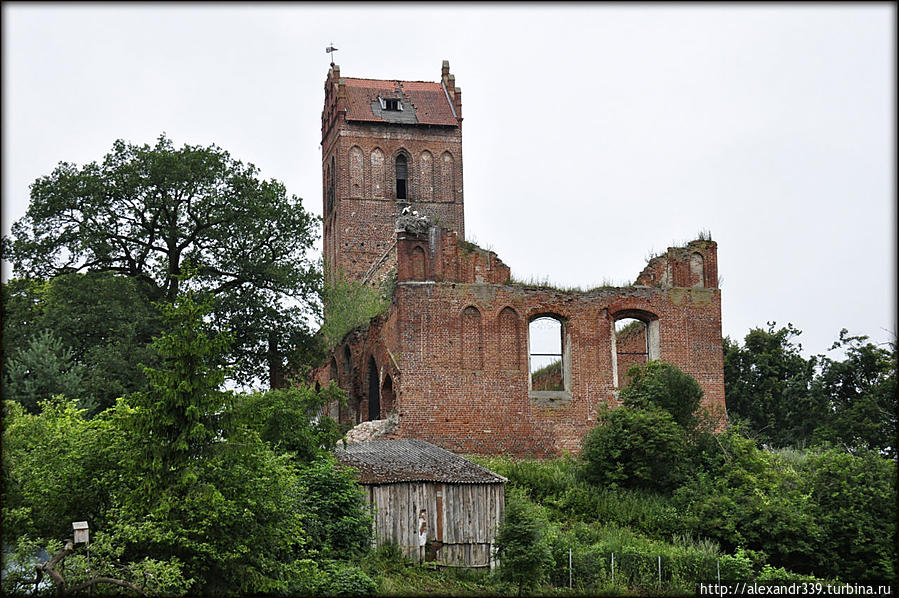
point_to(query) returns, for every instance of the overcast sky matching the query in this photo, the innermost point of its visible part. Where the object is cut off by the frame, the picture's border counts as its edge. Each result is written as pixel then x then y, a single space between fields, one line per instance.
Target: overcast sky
pixel 594 134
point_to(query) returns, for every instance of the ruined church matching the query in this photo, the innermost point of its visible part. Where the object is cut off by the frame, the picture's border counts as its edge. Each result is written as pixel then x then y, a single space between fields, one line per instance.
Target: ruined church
pixel 464 357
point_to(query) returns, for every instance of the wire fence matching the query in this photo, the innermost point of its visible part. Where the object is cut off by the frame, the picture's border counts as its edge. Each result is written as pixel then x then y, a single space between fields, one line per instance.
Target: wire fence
pixel 590 568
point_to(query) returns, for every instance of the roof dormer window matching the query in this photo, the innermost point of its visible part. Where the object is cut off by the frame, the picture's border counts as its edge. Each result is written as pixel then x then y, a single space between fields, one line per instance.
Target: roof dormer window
pixel 393 104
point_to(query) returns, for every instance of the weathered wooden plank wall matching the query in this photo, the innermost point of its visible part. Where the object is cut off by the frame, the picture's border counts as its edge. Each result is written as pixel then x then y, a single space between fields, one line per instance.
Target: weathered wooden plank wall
pixel 470 517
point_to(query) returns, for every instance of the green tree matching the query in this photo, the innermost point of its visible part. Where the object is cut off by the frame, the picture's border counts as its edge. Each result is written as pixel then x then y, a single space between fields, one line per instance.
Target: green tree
pixel 860 393
pixel 144 210
pixel 214 496
pixel 349 304
pixel 663 385
pixel 288 419
pixel 180 418
pixel 635 448
pixel 855 504
pixel 102 317
pixel 744 496
pixel 768 385
pixel 44 367
pixel 335 515
pixel 522 546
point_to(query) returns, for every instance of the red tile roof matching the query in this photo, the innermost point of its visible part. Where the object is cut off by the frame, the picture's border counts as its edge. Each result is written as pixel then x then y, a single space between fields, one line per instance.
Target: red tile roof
pixel 431 105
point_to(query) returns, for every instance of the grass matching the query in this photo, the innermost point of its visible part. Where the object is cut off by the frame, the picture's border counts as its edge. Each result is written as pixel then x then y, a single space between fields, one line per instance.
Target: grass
pixel 546 283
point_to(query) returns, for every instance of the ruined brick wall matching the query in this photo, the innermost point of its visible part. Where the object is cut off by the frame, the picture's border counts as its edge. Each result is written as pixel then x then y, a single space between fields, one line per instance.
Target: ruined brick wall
pixel 451 355
pixel 489 409
pixel 695 265
pixel 441 255
pixel 457 352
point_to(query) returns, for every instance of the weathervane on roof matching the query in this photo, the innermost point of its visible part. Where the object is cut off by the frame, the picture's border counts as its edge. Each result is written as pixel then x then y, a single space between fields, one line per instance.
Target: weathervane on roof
pixel 330 49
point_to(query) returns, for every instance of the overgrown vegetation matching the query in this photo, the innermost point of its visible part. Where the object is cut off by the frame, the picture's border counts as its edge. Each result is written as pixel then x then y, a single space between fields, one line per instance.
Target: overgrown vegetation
pixel 349 304
pixel 783 399
pixel 549 377
pixel 187 488
pixel 546 283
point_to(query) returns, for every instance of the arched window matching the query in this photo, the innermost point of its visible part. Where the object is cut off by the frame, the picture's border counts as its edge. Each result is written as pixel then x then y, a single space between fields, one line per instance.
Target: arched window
pixel 377 173
pixel 347 359
pixel 472 353
pixel 546 342
pixel 374 390
pixel 635 340
pixel 447 177
pixel 356 171
pixel 509 339
pixel 388 396
pixel 425 180
pixel 402 173
pixel 418 264
pixel 697 270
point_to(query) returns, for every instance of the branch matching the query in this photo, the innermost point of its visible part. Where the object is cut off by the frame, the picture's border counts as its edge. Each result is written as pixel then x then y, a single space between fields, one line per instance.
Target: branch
pixel 110 580
pixel 50 566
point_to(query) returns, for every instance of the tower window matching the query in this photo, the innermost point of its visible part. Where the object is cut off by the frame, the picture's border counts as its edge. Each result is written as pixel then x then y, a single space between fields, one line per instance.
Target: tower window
pixel 402 171
pixel 393 104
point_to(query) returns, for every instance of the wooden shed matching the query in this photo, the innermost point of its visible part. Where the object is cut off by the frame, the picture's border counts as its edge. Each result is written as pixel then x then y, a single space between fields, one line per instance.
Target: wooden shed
pixel 434 504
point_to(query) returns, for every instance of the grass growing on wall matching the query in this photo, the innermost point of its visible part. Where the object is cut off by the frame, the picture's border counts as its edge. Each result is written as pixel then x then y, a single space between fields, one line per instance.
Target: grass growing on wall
pixel 349 304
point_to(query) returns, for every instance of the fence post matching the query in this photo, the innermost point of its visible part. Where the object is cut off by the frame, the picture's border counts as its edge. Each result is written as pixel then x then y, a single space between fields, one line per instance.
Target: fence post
pixel 569 568
pixel 660 571
pixel 613 568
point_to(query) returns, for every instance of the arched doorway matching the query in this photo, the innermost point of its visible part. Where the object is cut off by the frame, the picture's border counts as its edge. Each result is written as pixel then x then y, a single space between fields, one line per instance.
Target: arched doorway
pixel 374 390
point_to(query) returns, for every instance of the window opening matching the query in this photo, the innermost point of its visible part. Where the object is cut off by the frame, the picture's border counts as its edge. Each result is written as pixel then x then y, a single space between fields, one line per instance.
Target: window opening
pixel 401 176
pixel 631 347
pixel 471 339
pixel 388 396
pixel 697 271
pixel 391 104
pixel 347 358
pixel 374 390
pixel 546 352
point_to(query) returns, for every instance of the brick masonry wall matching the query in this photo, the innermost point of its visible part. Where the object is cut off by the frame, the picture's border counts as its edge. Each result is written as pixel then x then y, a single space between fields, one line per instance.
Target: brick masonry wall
pixel 359 227
pixel 482 403
pixel 489 410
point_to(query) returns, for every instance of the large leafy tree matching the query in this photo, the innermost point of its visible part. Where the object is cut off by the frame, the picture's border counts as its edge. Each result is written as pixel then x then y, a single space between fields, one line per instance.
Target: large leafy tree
pixel 768 384
pixel 143 211
pixel 860 394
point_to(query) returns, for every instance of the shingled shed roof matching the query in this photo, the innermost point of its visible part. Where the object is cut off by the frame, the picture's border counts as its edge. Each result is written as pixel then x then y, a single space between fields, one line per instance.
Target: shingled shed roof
pixel 429 102
pixel 411 460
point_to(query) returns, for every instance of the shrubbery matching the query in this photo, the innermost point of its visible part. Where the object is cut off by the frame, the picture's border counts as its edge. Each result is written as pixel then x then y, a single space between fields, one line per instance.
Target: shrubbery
pixel 635 448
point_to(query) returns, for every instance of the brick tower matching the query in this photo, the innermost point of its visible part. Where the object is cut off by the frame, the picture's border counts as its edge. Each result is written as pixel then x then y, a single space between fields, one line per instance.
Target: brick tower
pixel 387 145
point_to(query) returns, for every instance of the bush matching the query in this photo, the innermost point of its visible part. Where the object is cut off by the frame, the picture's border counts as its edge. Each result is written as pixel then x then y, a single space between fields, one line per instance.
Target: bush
pixel 347 580
pixel 751 498
pixel 635 448
pixel 664 386
pixel 335 514
pixel 855 504
pixel 522 546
